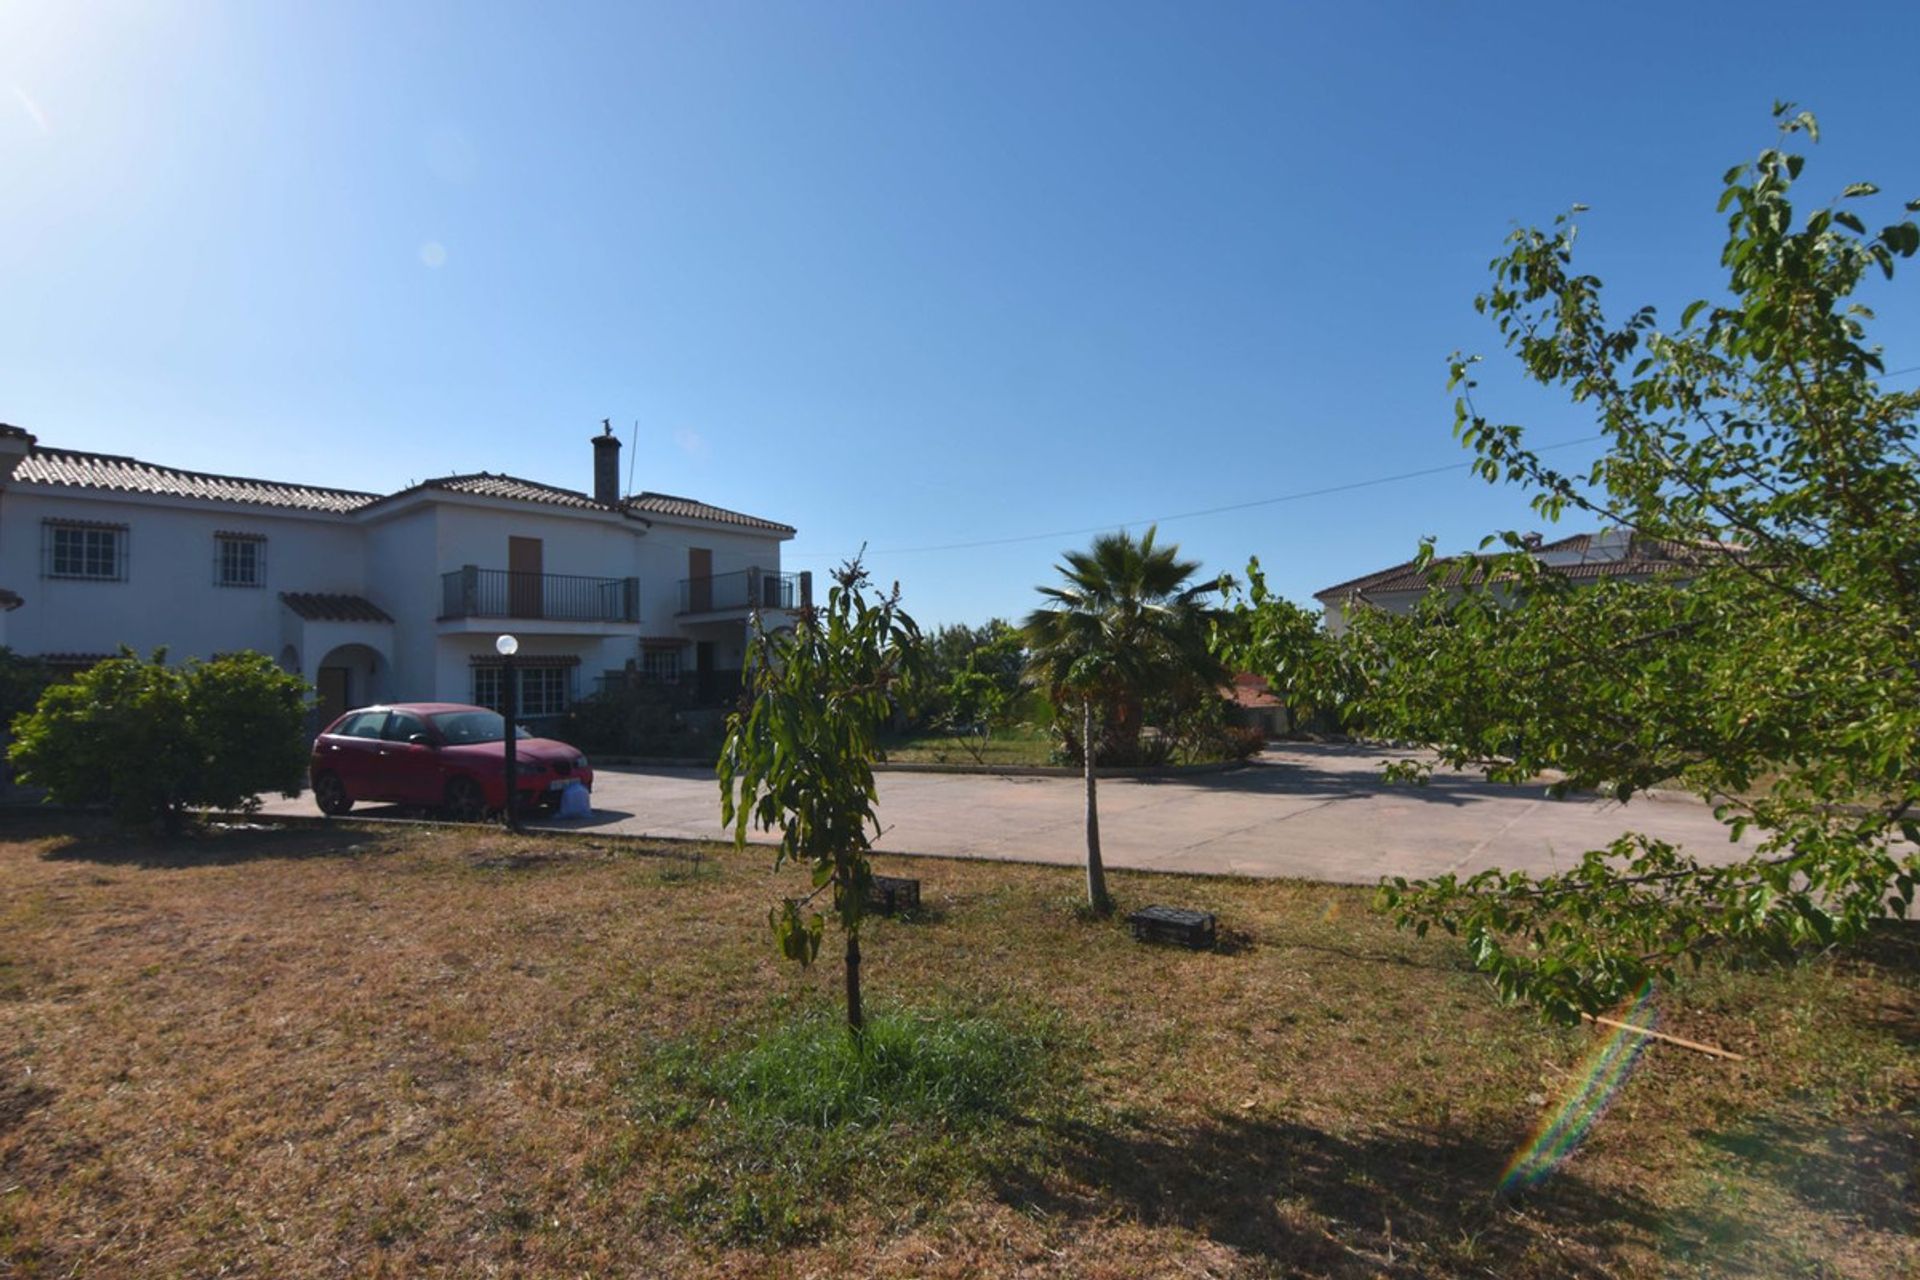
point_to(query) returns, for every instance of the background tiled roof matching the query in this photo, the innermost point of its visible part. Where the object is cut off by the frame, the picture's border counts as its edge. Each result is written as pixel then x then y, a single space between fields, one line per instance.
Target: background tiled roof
pixel 1645 556
pixel 1251 691
pixel 130 475
pixel 665 504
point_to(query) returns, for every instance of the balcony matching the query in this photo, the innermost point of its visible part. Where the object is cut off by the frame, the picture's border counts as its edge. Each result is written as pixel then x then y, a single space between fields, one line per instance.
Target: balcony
pixel 473 592
pixel 740 592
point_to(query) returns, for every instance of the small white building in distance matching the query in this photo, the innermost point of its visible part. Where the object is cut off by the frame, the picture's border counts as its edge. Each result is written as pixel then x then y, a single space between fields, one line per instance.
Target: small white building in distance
pixel 376 597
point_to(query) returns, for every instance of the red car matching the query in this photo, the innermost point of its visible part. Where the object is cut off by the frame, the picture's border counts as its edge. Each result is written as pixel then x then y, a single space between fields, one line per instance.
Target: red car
pixel 439 755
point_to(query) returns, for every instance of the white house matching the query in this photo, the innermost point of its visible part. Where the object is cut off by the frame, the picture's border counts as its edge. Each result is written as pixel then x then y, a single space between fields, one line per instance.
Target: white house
pixel 1583 557
pixel 378 597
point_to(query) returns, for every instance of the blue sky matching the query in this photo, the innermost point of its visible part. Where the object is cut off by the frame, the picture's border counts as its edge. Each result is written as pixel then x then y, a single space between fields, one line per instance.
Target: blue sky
pixel 911 275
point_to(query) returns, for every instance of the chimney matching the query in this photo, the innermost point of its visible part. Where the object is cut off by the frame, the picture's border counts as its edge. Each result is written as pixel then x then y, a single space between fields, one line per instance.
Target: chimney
pixel 15 444
pixel 606 465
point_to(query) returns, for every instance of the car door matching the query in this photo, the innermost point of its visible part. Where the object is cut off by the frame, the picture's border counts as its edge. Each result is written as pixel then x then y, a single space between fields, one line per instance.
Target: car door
pixel 351 750
pixel 409 771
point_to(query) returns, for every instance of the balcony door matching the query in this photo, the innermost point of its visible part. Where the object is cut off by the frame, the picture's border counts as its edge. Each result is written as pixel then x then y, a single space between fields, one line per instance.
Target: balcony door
pixel 523 577
pixel 699 579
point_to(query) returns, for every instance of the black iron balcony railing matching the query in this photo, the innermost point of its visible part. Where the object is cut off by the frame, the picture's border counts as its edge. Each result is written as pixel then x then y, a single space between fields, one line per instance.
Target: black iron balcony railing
pixel 745 589
pixel 473 592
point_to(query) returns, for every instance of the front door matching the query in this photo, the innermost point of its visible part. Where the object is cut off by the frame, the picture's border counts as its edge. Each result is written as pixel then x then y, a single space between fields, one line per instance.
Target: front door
pixel 523 577
pixel 335 688
pixel 703 670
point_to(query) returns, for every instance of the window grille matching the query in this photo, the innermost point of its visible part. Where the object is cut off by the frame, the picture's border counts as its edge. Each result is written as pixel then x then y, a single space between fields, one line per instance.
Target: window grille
pixel 544 690
pixel 80 550
pixel 239 560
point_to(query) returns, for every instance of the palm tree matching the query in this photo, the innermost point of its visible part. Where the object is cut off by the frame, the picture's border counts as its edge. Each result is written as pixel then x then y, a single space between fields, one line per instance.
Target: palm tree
pixel 1126 623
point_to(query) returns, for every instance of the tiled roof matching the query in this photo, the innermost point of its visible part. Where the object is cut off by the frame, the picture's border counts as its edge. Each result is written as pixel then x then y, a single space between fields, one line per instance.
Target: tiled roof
pixel 1645 557
pixel 665 504
pixel 1251 691
pixel 485 484
pixel 12 432
pixel 130 475
pixel 326 606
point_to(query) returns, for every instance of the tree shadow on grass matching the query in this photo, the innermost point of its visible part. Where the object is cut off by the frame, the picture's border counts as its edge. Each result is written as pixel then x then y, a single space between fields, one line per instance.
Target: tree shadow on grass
pixel 1864 1170
pixel 1327 1203
pixel 1443 960
pixel 18 1097
pixel 101 843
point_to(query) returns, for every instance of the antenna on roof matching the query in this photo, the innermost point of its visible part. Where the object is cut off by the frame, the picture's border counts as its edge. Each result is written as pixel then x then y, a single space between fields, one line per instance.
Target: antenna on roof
pixel 635 457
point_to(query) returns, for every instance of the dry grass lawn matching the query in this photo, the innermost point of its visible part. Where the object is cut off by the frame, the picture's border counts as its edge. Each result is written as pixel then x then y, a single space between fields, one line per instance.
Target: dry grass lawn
pixel 432 1052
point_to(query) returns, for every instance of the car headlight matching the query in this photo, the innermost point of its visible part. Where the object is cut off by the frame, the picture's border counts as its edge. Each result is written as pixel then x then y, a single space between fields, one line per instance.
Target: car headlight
pixel 579 762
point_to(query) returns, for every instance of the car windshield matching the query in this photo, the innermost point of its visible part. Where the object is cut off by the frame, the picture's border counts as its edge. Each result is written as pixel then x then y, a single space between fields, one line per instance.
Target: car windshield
pixel 461 727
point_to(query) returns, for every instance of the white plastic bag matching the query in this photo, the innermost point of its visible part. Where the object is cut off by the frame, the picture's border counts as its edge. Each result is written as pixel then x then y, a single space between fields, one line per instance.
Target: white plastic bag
pixel 576 801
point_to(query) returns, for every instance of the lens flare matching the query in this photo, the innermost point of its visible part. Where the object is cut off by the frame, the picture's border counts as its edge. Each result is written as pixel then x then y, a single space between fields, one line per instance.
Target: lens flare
pixel 1563 1129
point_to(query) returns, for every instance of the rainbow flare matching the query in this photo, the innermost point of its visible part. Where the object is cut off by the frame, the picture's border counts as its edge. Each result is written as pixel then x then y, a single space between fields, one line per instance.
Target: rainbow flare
pixel 1599 1081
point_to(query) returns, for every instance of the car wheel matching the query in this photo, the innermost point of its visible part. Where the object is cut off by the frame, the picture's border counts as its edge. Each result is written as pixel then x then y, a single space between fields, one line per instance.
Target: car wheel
pixel 331 795
pixel 465 801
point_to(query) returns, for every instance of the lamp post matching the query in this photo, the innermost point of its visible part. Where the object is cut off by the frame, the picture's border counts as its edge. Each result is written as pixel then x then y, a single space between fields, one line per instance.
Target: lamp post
pixel 507 646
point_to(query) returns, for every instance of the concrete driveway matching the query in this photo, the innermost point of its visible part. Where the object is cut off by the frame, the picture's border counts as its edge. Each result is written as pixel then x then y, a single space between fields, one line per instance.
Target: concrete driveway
pixel 1316 812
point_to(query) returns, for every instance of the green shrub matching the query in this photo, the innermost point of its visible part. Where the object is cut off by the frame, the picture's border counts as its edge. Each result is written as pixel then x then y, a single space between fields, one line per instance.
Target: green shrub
pixel 636 718
pixel 151 741
pixel 22 681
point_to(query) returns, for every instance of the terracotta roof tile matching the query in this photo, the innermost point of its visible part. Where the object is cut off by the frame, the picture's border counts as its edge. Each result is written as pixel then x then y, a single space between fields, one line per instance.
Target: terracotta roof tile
pixel 485 484
pixel 326 606
pixel 666 504
pixel 1251 691
pixel 1645 557
pixel 130 475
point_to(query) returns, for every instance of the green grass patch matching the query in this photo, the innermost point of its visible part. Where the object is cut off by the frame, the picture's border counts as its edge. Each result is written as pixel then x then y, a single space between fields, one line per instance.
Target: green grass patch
pixel 1021 745
pixel 935 1068
pixel 806 1120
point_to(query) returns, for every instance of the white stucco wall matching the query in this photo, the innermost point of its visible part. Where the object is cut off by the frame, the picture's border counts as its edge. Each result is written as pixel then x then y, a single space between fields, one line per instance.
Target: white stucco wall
pixel 663 563
pixel 394 554
pixel 169 596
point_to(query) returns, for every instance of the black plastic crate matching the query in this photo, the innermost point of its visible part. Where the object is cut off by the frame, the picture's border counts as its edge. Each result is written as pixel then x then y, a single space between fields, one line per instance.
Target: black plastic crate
pixel 890 895
pixel 1194 929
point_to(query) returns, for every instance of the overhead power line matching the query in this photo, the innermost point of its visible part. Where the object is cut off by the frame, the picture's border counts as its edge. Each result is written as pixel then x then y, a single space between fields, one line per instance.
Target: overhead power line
pixel 1298 496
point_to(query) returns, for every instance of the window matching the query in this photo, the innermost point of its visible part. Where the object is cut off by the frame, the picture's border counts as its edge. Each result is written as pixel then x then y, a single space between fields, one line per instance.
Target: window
pixel 401 726
pixel 239 560
pixel 544 690
pixel 365 724
pixel 459 728
pixel 73 549
pixel 661 664
pixel 486 689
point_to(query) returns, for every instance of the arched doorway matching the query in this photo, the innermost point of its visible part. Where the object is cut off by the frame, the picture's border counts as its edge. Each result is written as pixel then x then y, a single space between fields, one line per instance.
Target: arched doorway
pixel 350 675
